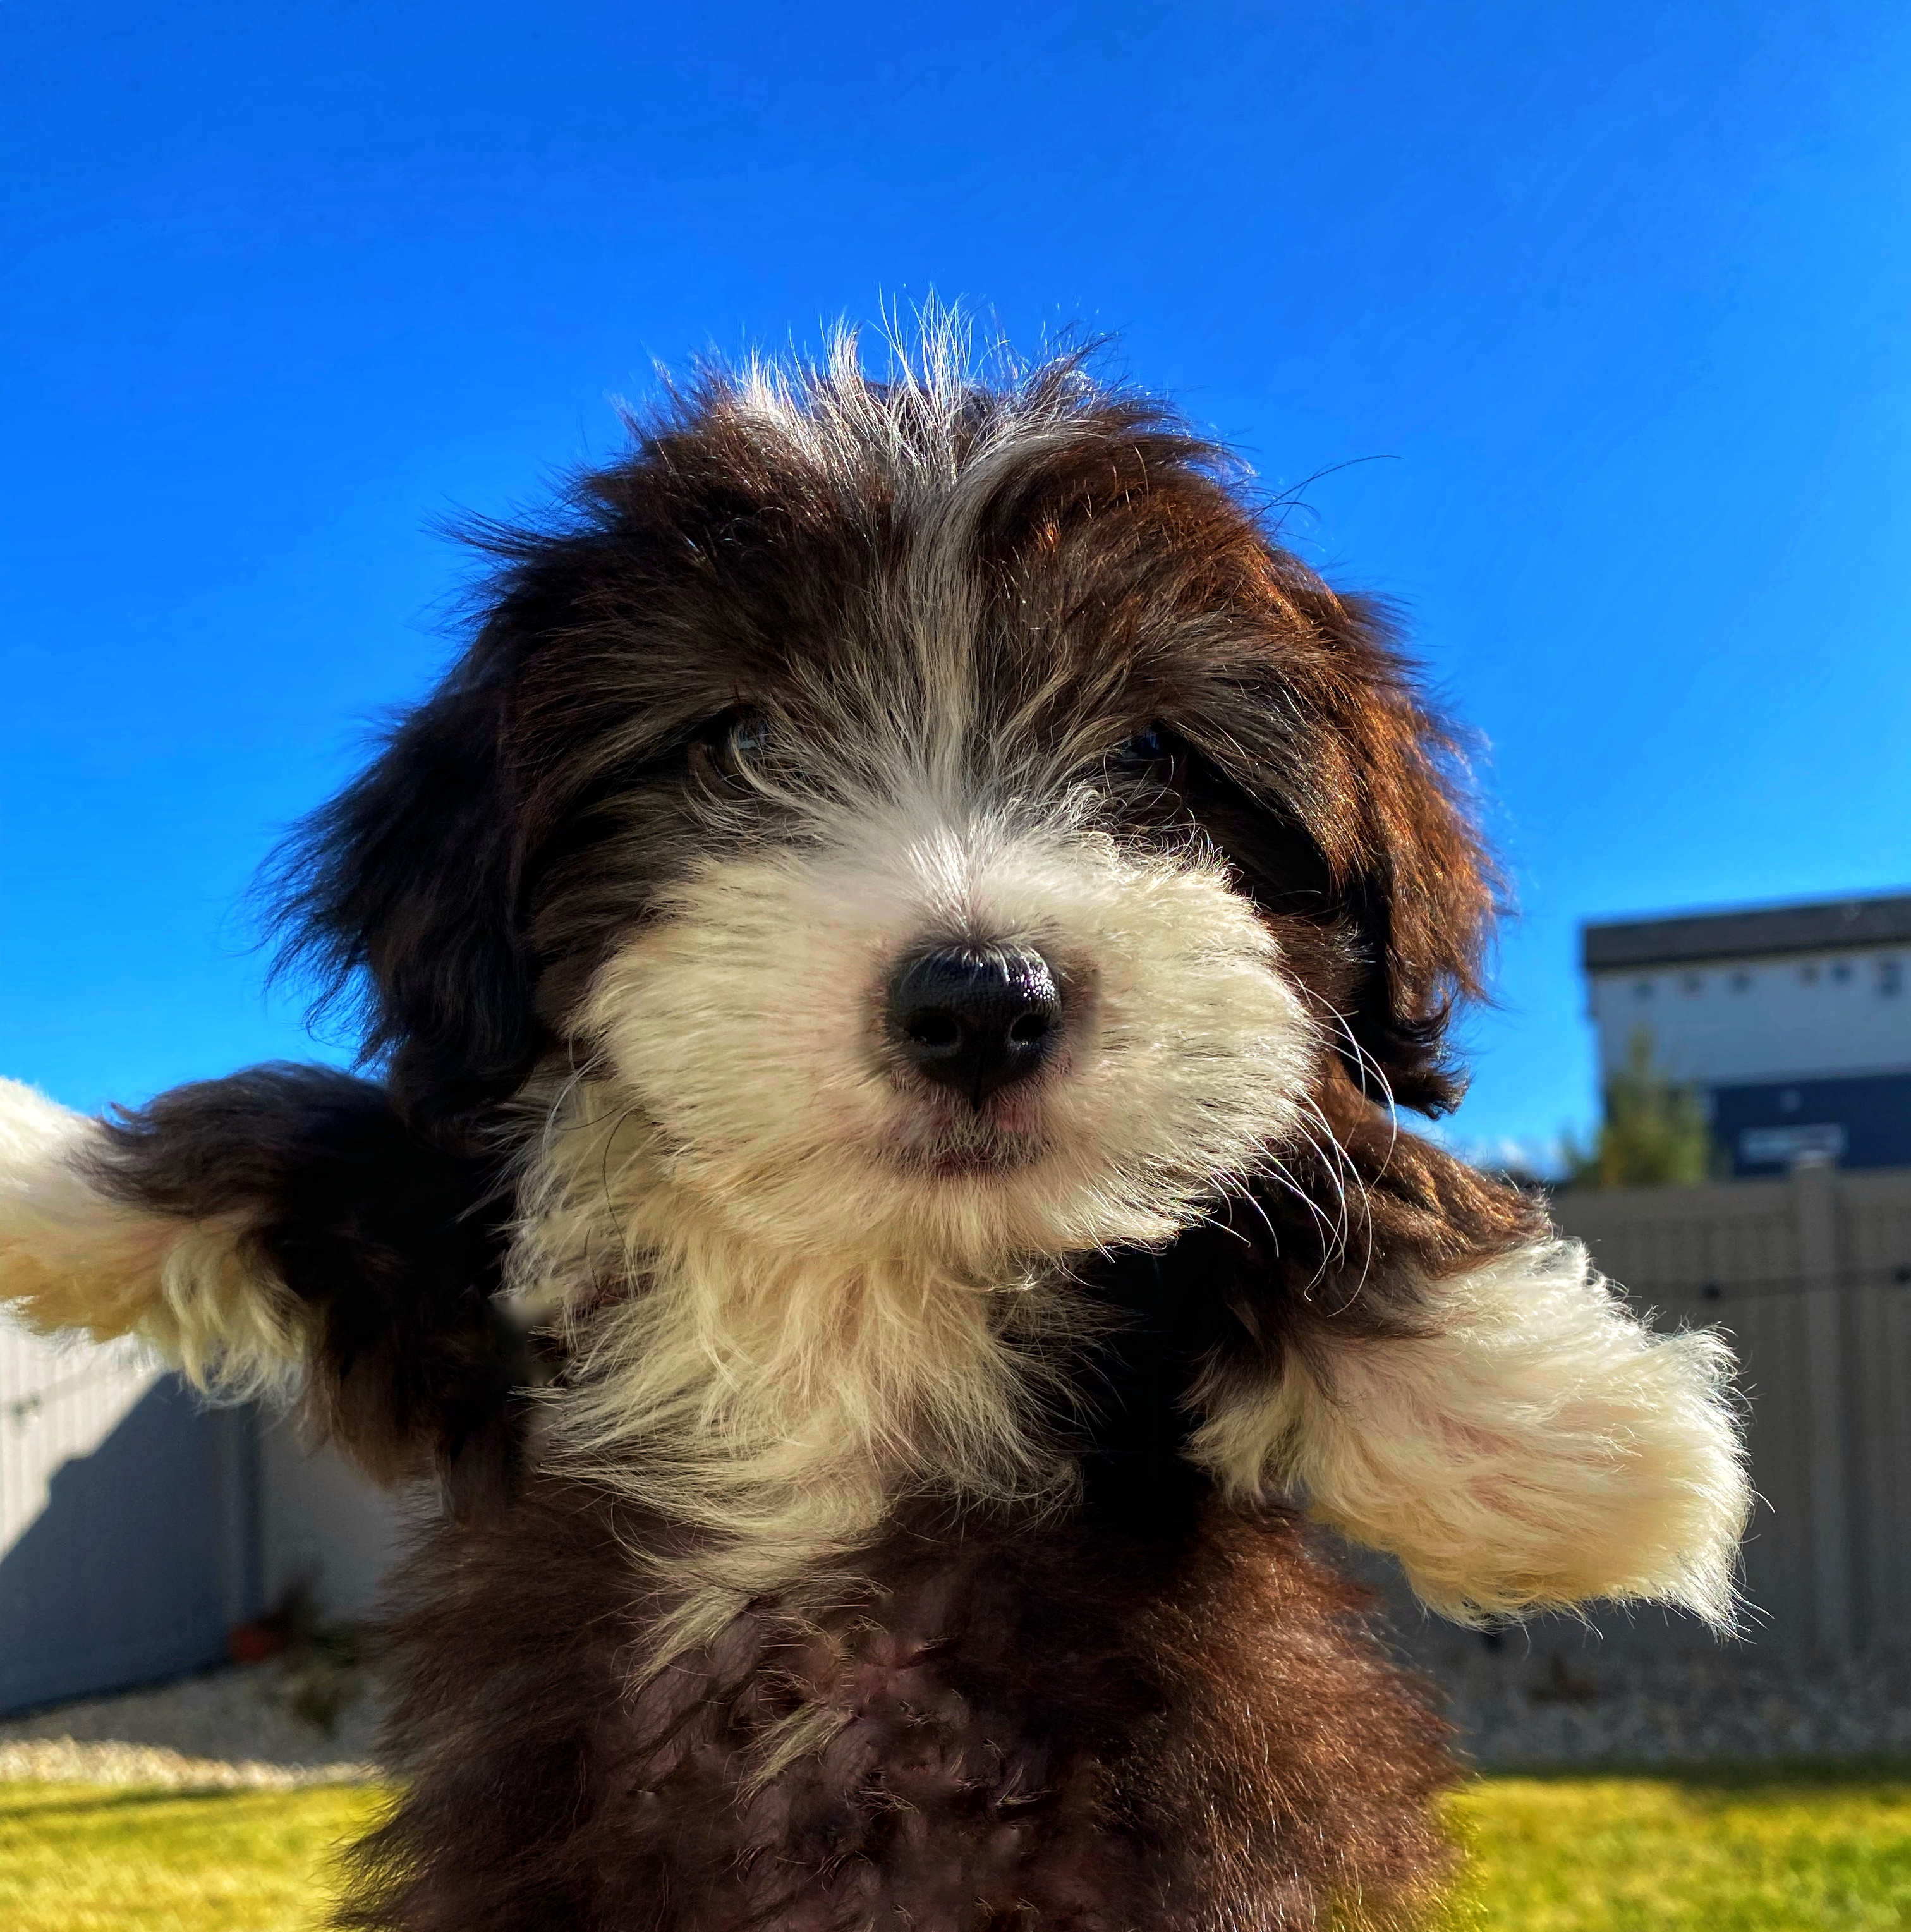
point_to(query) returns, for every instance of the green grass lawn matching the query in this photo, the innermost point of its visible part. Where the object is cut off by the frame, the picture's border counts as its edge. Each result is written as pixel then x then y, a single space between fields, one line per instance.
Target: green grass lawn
pixel 1805 1850
pixel 120 1859
pixel 1808 1849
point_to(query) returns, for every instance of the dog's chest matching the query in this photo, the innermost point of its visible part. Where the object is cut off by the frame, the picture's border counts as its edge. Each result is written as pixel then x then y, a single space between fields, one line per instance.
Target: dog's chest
pixel 1041 1725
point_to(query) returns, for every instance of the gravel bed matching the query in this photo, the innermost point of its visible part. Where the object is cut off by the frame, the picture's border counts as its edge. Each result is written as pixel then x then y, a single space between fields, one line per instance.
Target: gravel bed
pixel 1567 1699
pixel 224 1728
pixel 67 1761
pixel 1554 1696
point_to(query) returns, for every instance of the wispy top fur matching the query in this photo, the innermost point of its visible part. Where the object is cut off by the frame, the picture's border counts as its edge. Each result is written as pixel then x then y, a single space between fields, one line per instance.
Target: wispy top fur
pixel 1064 558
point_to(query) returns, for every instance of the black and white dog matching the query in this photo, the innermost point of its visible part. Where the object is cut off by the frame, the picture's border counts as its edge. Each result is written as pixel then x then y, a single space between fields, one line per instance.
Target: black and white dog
pixel 888 962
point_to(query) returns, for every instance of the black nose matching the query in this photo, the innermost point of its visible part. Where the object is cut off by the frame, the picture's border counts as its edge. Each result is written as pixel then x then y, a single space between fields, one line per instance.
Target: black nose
pixel 975 1018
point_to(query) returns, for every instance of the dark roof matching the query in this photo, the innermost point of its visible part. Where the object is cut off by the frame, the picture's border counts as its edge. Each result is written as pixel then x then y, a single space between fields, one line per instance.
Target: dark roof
pixel 1748 933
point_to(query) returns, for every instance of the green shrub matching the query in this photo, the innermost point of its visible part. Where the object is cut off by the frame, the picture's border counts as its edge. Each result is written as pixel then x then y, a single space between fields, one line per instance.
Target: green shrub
pixel 1655 1133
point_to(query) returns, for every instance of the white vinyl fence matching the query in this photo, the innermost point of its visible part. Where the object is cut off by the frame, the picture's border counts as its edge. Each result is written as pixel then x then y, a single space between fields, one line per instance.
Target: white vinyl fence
pixel 138 1525
pixel 128 1549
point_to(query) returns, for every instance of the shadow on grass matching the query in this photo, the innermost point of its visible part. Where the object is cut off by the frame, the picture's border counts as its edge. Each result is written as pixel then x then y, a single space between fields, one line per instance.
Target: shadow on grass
pixel 78 1803
pixel 1738 1774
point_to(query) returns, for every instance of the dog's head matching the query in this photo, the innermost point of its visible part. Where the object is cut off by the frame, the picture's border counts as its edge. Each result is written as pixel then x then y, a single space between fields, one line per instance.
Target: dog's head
pixel 941 809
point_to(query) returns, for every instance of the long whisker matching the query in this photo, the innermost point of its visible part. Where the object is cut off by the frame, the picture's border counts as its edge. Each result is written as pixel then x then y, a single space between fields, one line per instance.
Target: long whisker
pixel 1349 1166
pixel 1277 1171
pixel 1331 1166
pixel 1374 1073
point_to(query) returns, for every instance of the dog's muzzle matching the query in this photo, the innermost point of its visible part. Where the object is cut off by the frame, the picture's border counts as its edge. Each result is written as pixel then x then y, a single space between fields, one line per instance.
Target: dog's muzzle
pixel 975 1019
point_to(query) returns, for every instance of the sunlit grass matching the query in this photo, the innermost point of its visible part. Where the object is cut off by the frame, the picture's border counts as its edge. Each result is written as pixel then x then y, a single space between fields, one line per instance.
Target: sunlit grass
pixel 1803 1849
pixel 115 1858
pixel 1743 1849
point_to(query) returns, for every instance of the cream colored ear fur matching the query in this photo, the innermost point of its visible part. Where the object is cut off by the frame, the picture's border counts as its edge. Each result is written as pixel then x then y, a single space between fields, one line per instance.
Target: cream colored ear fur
pixel 1537 1447
pixel 72 1258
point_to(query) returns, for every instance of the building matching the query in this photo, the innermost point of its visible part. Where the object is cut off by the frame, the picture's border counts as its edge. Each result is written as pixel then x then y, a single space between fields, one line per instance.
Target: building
pixel 1793 1021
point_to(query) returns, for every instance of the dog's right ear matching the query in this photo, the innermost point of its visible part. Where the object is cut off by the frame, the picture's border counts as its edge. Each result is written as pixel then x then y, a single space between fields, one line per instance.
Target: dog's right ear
pixel 401 894
pixel 1362 827
pixel 280 1232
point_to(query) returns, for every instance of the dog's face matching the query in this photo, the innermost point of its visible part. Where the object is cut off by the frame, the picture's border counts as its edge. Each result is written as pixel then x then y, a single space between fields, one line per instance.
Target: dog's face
pixel 942 815
pixel 954 1012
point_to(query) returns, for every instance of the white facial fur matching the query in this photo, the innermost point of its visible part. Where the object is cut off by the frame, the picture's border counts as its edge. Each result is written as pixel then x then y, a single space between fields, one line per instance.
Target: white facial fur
pixel 747 1024
pixel 788 1306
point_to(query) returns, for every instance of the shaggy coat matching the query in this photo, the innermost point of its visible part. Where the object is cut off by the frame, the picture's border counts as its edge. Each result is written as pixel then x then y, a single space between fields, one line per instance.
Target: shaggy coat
pixel 871 1493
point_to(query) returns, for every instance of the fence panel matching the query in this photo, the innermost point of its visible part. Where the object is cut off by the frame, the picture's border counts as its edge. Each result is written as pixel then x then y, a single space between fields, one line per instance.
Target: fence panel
pixel 1810 1278
pixel 128 1521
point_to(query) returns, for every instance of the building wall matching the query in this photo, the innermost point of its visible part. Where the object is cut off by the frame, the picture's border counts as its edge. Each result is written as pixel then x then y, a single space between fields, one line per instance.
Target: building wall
pixel 1806 1056
pixel 1768 1127
pixel 1751 1021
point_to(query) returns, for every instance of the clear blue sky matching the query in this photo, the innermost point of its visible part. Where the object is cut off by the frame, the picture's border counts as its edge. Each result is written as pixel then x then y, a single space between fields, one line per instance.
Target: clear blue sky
pixel 1621 294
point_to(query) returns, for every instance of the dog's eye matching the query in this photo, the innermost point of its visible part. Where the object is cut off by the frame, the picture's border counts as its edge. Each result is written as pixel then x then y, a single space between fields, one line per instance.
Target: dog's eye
pixel 1152 752
pixel 734 742
pixel 1148 773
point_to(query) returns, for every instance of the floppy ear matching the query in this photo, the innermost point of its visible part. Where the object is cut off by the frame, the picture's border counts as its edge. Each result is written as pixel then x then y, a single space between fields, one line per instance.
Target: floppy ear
pixel 401 894
pixel 280 1232
pixel 1378 793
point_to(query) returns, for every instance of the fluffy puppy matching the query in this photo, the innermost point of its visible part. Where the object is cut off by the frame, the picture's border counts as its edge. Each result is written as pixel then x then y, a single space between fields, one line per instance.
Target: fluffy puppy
pixel 889 961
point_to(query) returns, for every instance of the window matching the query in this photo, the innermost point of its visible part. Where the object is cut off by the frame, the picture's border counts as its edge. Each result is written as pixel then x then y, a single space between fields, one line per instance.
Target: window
pixel 1841 972
pixel 1642 989
pixel 1808 972
pixel 1693 982
pixel 1742 982
pixel 1891 978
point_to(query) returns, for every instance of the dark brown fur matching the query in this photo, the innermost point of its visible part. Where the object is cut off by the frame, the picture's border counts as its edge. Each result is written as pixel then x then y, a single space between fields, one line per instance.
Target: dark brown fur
pixel 1034 1727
